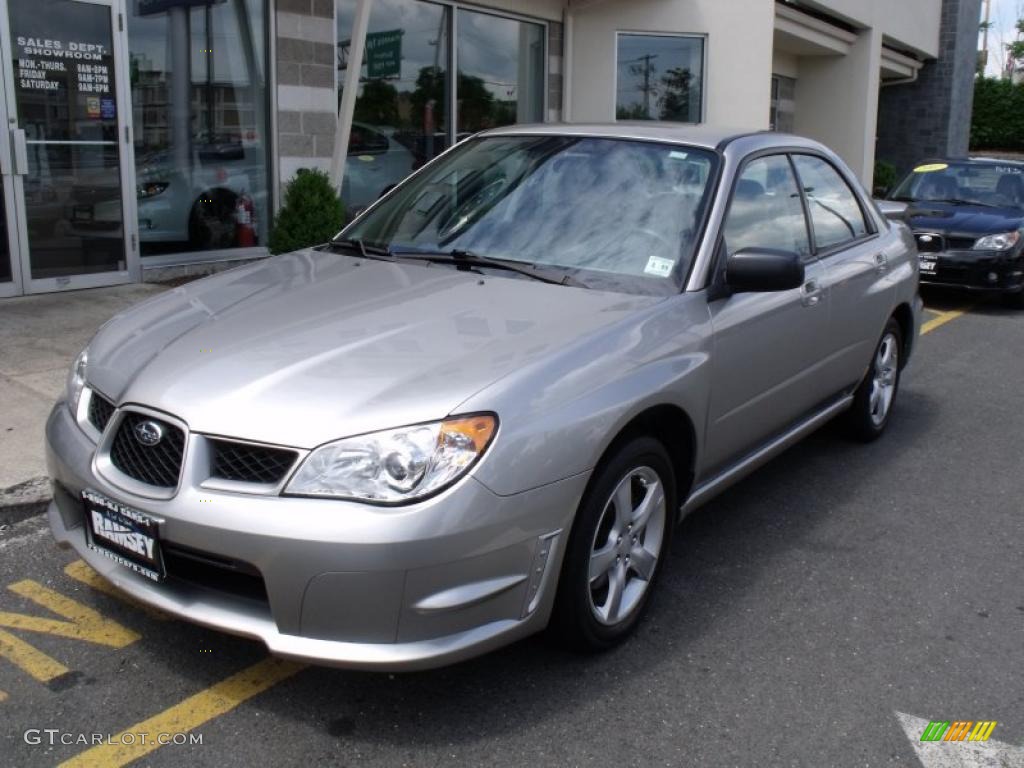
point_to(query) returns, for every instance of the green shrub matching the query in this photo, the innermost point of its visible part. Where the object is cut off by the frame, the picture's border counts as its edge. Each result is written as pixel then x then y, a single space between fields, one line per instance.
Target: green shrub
pixel 885 176
pixel 997 121
pixel 312 213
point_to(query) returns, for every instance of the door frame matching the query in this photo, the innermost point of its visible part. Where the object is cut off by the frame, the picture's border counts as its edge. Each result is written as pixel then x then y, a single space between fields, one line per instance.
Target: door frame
pixel 12 287
pixel 21 256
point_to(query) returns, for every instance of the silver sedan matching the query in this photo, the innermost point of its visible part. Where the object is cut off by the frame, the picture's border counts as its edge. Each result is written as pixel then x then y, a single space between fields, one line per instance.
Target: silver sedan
pixel 483 408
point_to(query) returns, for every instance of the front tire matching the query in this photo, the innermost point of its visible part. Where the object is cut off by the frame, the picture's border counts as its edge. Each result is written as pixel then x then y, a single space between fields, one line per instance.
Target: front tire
pixel 211 223
pixel 614 553
pixel 875 397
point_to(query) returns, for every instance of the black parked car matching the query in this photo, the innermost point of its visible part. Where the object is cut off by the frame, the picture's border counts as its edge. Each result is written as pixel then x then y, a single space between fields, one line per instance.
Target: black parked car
pixel 968 219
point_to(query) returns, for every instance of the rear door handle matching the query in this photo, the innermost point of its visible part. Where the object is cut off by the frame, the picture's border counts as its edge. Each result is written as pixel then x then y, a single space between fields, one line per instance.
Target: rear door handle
pixel 881 263
pixel 811 294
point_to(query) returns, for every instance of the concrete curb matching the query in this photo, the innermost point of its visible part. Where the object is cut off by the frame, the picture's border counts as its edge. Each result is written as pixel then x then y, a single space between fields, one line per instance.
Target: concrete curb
pixel 24 500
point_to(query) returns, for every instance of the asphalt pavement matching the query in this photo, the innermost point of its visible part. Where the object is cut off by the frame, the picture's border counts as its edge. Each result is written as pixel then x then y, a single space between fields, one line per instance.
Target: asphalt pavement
pixel 804 619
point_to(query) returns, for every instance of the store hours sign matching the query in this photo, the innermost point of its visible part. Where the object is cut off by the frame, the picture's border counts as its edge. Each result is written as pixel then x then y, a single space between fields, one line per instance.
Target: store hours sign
pixel 64 71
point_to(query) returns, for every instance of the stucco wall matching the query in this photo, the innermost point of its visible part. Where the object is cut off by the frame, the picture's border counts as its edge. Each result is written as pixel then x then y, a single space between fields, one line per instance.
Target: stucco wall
pixel 912 24
pixel 836 101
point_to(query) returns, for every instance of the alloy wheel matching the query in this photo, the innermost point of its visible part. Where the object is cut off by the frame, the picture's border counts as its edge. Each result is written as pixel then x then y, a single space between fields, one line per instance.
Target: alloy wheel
pixel 624 552
pixel 883 384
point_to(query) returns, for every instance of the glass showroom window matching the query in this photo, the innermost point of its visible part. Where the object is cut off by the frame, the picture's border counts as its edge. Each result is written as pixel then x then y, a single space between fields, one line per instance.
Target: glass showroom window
pixel 501 72
pixel 401 113
pixel 403 110
pixel 198 86
pixel 660 77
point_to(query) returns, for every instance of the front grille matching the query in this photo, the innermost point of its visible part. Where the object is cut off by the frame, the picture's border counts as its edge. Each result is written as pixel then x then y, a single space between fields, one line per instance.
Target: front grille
pixel 158 465
pixel 100 410
pixel 929 243
pixel 211 571
pixel 250 463
pixel 960 243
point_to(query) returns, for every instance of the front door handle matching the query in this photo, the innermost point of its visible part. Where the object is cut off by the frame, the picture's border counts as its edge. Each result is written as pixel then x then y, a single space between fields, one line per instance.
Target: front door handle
pixel 881 263
pixel 19 152
pixel 811 294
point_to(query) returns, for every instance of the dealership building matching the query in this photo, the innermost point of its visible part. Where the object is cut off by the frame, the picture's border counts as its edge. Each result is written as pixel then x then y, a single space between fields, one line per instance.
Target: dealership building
pixel 149 137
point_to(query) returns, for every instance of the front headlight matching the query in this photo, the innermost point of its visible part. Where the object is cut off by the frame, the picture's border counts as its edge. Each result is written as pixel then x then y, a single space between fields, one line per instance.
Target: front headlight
pixel 76 381
pixel 1001 242
pixel 396 465
pixel 150 189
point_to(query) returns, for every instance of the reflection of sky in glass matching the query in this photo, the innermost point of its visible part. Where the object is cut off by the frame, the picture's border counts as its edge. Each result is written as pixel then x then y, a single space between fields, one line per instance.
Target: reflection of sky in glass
pixel 149 40
pixel 667 53
pixel 489 49
pixel 488 45
pixel 422 24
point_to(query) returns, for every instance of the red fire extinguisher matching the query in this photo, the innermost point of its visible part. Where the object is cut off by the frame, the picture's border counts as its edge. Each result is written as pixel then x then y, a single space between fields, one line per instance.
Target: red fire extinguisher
pixel 245 221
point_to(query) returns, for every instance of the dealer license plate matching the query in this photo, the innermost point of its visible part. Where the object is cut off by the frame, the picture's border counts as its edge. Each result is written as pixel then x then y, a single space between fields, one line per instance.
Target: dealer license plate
pixel 928 265
pixel 123 534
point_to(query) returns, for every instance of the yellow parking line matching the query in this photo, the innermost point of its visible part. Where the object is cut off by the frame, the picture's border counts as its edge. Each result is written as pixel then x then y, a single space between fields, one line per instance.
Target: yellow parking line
pixel 942 319
pixel 189 714
pixel 36 663
pixel 83 623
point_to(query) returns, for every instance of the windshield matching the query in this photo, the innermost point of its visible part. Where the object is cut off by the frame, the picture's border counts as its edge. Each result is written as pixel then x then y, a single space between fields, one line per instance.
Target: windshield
pixel 612 213
pixel 989 184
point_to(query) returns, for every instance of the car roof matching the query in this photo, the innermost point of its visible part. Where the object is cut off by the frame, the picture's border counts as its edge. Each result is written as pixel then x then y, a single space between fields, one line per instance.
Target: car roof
pixel 974 160
pixel 708 136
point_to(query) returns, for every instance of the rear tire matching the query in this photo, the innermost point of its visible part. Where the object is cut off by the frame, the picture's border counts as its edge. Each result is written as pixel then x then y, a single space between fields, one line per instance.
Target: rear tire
pixel 616 547
pixel 875 397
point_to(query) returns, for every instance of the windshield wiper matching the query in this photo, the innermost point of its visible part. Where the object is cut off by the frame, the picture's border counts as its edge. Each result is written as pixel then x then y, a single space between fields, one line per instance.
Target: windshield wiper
pixel 469 259
pixel 364 249
pixel 961 201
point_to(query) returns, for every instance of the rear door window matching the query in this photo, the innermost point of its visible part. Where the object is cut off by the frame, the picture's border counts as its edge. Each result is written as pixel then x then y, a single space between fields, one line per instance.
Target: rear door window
pixel 836 215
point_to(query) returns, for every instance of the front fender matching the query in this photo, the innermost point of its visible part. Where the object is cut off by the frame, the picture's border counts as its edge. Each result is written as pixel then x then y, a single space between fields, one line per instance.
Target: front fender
pixel 558 415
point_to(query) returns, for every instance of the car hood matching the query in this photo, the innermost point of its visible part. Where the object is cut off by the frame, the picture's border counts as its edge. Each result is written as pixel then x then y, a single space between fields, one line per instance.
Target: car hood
pixel 311 346
pixel 963 220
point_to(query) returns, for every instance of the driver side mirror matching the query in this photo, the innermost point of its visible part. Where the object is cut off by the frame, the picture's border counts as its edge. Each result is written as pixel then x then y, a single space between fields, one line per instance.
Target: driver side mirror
pixel 760 270
pixel 894 210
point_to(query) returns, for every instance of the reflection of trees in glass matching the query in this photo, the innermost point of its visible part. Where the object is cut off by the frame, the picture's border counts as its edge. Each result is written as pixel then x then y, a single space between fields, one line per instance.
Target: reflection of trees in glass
pixel 429 87
pixel 477 107
pixel 672 96
pixel 378 104
pixel 632 112
pixel 476 104
pixel 675 101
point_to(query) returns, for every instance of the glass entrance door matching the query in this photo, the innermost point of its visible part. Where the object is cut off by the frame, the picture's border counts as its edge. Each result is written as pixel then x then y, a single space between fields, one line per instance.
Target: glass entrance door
pixel 69 144
pixel 10 272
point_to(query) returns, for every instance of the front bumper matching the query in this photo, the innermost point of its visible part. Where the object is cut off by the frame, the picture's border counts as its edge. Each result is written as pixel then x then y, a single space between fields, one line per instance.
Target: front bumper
pixel 974 270
pixel 342 583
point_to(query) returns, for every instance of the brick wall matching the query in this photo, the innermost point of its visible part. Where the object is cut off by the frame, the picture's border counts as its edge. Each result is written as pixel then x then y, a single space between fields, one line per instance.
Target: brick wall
pixel 555 70
pixel 932 117
pixel 306 91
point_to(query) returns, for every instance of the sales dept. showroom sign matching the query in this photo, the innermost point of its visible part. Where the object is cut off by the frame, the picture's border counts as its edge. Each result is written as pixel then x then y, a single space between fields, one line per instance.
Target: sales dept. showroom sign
pixel 64 72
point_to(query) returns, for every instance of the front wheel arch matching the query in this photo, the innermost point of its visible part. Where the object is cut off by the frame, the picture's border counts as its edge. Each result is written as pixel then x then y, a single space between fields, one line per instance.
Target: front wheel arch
pixel 671 426
pixel 905 317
